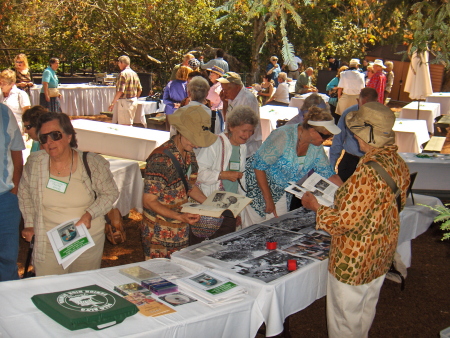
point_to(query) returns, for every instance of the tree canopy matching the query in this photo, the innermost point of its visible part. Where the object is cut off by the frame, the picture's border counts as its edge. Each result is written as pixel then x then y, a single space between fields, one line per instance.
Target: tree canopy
pixel 156 33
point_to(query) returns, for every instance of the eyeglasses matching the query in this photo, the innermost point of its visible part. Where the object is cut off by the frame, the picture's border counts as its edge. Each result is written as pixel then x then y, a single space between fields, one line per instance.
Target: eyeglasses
pixel 19 61
pixel 28 126
pixel 55 135
pixel 324 136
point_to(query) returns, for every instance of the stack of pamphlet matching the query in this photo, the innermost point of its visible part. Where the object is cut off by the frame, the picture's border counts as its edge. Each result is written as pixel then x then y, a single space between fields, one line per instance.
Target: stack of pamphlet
pixel 69 241
pixel 212 288
pixel 138 273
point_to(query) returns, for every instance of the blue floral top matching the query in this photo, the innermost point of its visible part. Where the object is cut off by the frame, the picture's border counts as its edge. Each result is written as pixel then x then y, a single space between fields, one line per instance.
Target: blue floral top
pixel 278 158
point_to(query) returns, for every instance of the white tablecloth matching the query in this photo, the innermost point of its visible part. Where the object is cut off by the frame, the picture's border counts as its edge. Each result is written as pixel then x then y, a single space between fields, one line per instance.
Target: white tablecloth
pixel 297 290
pixel 299 101
pixel 269 116
pixel 410 135
pixel 432 173
pixel 118 140
pixel 443 99
pixel 427 111
pixel 128 178
pixel 20 318
pixel 80 99
pixel 144 108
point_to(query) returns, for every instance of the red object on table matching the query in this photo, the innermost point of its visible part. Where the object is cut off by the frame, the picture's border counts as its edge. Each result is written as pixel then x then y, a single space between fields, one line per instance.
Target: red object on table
pixel 271 245
pixel 292 264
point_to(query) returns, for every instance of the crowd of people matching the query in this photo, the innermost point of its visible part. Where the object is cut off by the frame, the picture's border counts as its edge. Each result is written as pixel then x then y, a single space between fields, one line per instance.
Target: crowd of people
pixel 215 144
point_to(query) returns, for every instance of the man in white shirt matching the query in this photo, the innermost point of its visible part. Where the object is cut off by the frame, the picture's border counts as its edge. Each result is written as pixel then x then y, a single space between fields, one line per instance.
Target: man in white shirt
pixel 350 84
pixel 293 68
pixel 233 95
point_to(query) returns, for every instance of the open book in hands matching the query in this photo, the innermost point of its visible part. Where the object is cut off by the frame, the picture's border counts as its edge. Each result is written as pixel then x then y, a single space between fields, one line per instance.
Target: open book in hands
pixel 319 186
pixel 217 203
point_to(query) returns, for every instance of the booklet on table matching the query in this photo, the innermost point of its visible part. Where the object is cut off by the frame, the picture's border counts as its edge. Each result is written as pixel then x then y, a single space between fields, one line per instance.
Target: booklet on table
pixel 69 241
pixel 211 288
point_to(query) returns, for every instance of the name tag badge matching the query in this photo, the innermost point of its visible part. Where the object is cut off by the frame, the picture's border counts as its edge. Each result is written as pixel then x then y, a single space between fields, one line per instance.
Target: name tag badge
pixel 235 166
pixel 56 185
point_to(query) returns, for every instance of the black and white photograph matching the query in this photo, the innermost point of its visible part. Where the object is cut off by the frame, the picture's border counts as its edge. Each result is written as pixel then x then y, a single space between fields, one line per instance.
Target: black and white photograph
pixel 218 197
pixel 176 299
pixel 270 266
pixel 315 245
pixel 300 221
pixel 322 185
pixel 252 243
pixel 317 193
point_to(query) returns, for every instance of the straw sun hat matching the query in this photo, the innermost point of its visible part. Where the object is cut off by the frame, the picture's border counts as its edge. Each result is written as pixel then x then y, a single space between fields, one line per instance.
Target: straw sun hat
pixel 372 123
pixel 193 123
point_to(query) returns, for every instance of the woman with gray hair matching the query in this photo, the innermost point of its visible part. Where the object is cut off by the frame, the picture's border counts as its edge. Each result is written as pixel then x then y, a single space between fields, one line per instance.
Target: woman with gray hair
pixel 222 164
pixel 281 96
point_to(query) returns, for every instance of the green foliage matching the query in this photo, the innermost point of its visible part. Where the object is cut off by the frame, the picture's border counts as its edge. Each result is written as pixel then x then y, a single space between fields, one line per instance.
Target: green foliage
pixel 443 216
pixel 429 29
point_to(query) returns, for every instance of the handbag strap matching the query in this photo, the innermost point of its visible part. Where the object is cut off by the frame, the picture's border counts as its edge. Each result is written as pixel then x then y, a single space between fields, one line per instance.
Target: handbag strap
pixel 177 165
pixel 389 181
pixel 88 170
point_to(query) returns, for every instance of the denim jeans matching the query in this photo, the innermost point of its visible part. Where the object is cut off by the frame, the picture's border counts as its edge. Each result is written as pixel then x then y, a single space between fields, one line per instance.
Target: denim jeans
pixel 9 236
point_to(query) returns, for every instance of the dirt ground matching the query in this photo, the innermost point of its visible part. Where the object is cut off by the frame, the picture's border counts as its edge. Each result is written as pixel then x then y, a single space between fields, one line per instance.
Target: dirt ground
pixel 421 310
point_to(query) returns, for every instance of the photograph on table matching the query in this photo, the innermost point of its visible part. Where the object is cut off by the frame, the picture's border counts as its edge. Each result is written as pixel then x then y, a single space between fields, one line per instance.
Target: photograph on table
pixel 299 220
pixel 315 245
pixel 270 266
pixel 252 243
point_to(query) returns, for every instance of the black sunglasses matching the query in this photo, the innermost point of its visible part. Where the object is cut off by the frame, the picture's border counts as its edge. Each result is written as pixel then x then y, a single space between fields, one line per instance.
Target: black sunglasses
pixel 324 136
pixel 55 135
pixel 28 126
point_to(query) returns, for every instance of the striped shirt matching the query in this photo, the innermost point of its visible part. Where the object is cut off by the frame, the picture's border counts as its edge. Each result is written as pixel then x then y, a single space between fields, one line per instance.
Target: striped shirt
pixel 10 140
pixel 128 83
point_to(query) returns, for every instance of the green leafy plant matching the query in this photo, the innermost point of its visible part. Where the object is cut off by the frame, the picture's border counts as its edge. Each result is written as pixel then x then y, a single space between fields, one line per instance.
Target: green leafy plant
pixel 444 217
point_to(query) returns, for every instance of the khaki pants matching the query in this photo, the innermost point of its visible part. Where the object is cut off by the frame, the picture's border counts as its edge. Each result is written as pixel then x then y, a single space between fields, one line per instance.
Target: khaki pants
pixel 89 260
pixel 346 101
pixel 126 110
pixel 351 308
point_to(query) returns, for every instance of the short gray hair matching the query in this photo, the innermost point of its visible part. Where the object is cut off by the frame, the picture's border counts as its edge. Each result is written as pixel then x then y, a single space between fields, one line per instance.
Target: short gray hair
pixel 242 115
pixel 125 60
pixel 198 88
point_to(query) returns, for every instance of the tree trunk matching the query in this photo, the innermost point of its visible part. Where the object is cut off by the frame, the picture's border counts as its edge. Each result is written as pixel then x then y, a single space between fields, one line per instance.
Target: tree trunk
pixel 258 39
pixel 446 82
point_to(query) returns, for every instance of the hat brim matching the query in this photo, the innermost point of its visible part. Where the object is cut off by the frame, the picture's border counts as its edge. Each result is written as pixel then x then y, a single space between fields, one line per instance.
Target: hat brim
pixel 198 136
pixel 328 125
pixel 223 80
pixel 215 71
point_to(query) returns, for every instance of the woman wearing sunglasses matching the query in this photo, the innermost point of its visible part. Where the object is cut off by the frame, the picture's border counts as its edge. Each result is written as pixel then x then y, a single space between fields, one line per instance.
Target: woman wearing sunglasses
pixel 56 187
pixel 288 154
pixel 30 121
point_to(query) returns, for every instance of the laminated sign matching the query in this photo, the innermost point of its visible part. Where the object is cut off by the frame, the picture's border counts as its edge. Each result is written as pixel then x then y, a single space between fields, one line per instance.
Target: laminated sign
pixel 90 306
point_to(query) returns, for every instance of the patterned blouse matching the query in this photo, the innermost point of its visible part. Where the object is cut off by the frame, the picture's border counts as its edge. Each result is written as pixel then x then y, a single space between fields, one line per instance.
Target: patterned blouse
pixel 378 82
pixel 277 156
pixel 364 224
pixel 163 181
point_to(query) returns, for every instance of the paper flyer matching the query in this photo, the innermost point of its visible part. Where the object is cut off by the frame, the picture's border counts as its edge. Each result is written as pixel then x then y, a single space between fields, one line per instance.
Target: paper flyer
pixel 69 241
